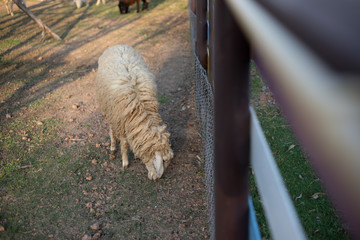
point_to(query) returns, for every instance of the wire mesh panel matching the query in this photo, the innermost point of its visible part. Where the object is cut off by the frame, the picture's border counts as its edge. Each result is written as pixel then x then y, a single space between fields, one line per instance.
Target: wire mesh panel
pixel 205 112
pixel 192 28
pixel 204 101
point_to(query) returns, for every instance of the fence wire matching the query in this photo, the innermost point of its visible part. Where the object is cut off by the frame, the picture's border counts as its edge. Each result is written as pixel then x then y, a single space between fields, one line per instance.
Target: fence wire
pixel 204 101
pixel 205 112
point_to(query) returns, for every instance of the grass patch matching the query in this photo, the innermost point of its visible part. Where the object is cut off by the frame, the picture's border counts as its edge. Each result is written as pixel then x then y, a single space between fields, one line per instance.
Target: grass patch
pixel 6 62
pixel 316 213
pixel 40 103
pixel 163 99
pixel 8 43
pixel 108 11
pixel 41 198
pixel 23 143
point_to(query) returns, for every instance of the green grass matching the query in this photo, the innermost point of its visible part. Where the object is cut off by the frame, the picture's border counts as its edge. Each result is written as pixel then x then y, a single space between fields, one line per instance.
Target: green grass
pixel 21 143
pixel 8 43
pixel 42 197
pixel 163 99
pixel 316 214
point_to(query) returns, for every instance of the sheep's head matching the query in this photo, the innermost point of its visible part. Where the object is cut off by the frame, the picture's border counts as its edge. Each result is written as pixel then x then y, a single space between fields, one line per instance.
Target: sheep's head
pixel 163 154
pixel 157 167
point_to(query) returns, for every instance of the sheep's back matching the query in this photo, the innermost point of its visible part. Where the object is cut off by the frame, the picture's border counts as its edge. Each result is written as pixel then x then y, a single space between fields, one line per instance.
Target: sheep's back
pixel 124 82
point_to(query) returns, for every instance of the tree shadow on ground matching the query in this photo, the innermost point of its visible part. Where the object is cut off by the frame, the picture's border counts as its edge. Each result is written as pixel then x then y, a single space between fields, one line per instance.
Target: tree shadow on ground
pixel 19 69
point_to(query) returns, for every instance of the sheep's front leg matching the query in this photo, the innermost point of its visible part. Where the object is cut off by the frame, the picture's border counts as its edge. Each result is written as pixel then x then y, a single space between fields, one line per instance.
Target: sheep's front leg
pixel 113 141
pixel 124 152
pixel 11 8
pixel 7 5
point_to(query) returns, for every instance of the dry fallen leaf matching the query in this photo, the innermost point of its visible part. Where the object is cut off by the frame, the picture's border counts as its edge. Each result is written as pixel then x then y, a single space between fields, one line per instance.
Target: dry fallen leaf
pixel 8 116
pixel 291 147
pixel 86 237
pixel 95 226
pixel 89 178
pixel 88 205
pixel 316 195
pixel 97 235
pixel 298 197
pixel 94 161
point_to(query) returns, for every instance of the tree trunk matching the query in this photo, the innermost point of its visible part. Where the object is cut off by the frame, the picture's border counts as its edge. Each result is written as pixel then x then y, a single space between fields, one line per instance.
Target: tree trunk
pixel 43 26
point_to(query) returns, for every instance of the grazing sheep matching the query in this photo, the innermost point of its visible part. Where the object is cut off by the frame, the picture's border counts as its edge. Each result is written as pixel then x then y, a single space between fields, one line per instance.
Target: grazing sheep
pixel 79 3
pixel 124 5
pixel 126 93
pixel 9 6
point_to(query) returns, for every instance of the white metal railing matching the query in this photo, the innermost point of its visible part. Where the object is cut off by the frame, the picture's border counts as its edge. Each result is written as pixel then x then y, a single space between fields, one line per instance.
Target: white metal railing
pixel 279 210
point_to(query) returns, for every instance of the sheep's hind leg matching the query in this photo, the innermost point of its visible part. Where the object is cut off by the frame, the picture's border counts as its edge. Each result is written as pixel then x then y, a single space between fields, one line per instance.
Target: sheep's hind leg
pixel 124 152
pixel 113 141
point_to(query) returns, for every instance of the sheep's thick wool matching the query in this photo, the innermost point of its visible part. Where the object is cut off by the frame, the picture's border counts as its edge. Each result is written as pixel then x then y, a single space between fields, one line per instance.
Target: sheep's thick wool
pixel 126 93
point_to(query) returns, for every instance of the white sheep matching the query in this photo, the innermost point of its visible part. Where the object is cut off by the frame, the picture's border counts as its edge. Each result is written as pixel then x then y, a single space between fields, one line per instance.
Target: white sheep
pixel 9 6
pixel 79 3
pixel 126 93
pixel 98 2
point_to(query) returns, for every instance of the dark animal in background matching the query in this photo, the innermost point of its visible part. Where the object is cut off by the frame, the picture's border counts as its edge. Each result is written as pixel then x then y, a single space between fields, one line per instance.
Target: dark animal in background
pixel 125 4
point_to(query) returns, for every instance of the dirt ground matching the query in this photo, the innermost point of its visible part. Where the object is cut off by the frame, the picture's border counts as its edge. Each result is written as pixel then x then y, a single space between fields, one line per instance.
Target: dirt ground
pixel 57 180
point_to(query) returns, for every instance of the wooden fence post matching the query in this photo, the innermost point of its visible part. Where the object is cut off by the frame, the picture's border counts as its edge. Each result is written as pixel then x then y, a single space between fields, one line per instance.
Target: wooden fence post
pixel 229 67
pixel 201 32
pixel 43 26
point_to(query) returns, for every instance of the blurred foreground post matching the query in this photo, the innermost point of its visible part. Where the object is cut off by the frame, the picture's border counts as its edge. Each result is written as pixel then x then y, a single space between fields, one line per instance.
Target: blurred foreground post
pixel 201 32
pixel 229 66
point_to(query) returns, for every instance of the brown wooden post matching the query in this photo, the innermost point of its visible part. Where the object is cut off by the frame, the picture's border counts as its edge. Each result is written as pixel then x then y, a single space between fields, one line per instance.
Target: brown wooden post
pixel 201 32
pixel 43 26
pixel 229 67
pixel 192 4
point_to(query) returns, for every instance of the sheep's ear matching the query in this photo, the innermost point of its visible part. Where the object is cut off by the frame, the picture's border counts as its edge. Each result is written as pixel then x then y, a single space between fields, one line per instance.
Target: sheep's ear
pixel 158 164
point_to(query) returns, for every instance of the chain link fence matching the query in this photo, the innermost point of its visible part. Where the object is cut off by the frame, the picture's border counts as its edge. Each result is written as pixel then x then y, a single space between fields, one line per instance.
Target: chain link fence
pixel 204 101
